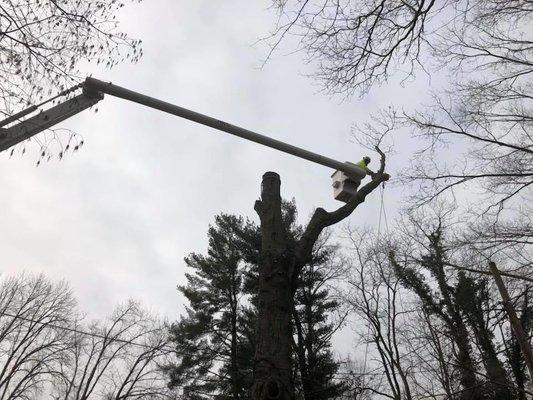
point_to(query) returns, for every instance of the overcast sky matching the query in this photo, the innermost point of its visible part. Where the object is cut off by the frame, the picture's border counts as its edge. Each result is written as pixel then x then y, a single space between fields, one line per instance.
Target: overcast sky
pixel 116 219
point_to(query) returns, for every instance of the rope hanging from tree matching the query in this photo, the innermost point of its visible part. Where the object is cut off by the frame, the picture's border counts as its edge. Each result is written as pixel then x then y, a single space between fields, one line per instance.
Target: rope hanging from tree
pixel 382 213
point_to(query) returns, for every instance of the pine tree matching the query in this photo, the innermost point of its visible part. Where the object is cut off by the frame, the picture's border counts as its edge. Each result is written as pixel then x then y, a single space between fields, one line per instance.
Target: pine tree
pixel 313 307
pixel 210 341
pixel 215 340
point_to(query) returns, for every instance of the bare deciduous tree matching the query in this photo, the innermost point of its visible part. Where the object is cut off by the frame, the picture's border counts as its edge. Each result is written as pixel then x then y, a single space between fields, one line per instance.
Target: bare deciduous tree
pixel 429 325
pixel 31 346
pixel 42 43
pixel 116 359
pixel 374 297
pixel 357 44
pixel 47 351
pixel 43 46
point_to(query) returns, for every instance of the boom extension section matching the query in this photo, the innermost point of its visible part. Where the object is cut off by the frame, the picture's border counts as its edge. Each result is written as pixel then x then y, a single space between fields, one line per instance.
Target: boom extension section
pixel 93 92
pixel 45 119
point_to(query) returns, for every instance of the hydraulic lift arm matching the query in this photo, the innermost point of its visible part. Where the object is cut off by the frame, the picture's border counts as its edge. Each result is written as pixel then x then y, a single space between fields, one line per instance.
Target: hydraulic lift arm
pixel 94 90
pixel 46 119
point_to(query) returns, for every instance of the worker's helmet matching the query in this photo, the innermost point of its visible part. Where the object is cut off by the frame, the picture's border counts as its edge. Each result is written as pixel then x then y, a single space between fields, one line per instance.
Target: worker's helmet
pixel 366 159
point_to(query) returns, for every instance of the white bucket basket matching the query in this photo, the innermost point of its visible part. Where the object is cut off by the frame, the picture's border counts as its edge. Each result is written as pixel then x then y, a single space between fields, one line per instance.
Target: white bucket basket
pixel 345 186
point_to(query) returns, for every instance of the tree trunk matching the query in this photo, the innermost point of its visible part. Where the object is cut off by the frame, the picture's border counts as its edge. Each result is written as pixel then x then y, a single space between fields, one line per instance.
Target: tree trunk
pixel 279 268
pixel 515 322
pixel 272 364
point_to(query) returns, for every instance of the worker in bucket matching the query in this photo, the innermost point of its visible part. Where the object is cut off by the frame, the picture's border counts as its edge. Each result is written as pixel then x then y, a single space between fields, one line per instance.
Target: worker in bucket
pixel 363 164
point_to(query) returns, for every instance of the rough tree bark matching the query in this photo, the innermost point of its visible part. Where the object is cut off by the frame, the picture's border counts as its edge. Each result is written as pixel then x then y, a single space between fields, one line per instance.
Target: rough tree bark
pixel 272 369
pixel 279 268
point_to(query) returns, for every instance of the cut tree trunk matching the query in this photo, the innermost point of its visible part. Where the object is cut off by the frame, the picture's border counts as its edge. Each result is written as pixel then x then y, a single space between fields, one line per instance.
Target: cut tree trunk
pixel 279 268
pixel 272 363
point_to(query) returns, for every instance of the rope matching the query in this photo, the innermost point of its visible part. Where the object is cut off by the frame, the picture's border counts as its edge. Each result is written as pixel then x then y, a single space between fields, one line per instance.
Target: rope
pixel 382 211
pixel 382 215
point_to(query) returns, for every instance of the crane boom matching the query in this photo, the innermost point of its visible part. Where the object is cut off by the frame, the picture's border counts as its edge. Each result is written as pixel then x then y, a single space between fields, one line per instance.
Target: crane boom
pixel 46 119
pixel 93 91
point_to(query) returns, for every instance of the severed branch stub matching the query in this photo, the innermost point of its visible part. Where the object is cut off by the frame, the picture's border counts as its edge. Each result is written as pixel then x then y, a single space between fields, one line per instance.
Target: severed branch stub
pixel 279 268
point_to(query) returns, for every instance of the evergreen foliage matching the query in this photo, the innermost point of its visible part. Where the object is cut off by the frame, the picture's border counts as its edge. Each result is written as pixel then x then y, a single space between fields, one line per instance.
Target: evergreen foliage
pixel 214 340
pixel 313 306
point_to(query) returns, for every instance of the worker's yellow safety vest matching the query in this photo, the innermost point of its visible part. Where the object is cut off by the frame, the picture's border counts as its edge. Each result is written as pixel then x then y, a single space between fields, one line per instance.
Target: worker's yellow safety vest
pixel 362 164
